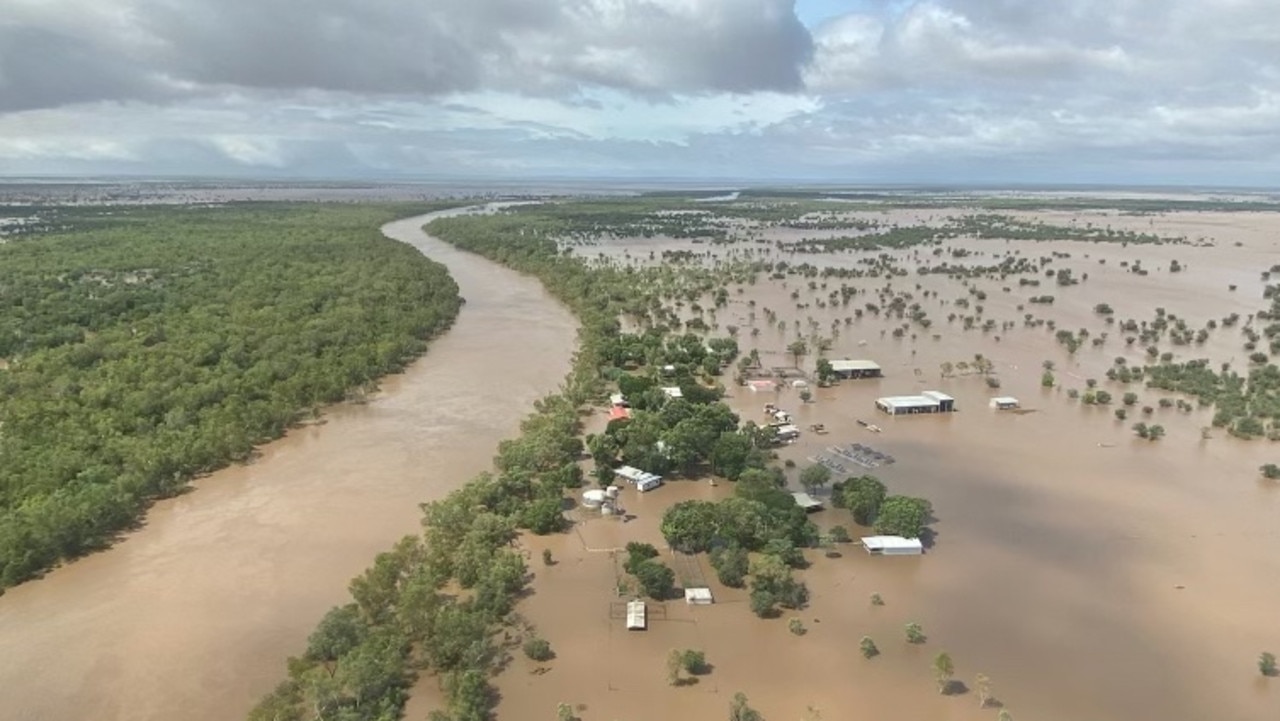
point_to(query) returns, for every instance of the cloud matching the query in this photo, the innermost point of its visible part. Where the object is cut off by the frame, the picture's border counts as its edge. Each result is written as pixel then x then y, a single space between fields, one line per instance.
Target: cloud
pixel 149 48
pixel 1149 90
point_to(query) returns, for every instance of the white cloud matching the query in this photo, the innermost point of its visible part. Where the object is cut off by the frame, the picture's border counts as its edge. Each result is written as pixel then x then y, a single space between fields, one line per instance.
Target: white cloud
pixel 1171 90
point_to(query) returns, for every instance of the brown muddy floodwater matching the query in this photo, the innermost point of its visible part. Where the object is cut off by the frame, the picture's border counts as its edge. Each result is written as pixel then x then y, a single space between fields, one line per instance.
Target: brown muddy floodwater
pixel 1090 574
pixel 191 617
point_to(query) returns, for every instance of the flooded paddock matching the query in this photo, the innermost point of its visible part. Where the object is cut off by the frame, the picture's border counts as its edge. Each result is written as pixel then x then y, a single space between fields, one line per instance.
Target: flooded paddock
pixel 1089 573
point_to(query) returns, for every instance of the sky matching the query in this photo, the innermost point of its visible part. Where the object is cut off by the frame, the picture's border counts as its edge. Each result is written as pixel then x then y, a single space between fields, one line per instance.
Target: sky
pixel 1163 92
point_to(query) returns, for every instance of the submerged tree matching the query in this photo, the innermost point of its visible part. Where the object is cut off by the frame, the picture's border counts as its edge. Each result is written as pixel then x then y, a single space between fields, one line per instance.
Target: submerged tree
pixel 798 349
pixel 868 647
pixel 943 670
pixel 915 634
pixel 740 710
pixel 1267 663
pixel 982 687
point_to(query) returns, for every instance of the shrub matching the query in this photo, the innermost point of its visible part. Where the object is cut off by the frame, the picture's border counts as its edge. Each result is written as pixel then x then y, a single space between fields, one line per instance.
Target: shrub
pixel 868 647
pixel 538 649
pixel 796 626
pixel 915 634
pixel 694 662
pixel 1267 664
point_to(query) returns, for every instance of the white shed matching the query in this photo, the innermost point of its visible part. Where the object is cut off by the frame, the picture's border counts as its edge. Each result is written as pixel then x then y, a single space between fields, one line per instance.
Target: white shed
pixel 698 596
pixel 892 546
pixel 1004 403
pixel 637 618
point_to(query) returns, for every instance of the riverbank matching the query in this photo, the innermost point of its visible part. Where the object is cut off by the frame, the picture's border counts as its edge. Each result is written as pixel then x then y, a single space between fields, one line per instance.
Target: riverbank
pixel 206 600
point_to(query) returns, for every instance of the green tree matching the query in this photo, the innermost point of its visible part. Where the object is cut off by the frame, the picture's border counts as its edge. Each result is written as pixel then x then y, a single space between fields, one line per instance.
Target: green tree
pixel 657 580
pixel 943 671
pixel 731 564
pixel 564 712
pixel 798 349
pixel 903 516
pixel 863 497
pixel 915 634
pixel 740 710
pixel 638 553
pixel 1267 663
pixel 868 647
pixel 824 371
pixel 814 477
pixel 340 631
pixel 731 455
pixel 1270 470
pixel 470 696
pixel 694 662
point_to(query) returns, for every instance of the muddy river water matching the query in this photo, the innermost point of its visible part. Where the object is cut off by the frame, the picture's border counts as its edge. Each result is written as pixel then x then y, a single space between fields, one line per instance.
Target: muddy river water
pixel 192 616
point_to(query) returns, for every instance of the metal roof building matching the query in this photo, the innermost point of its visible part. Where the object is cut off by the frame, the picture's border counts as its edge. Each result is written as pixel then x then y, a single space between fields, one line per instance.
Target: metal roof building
pixel 892 546
pixel 637 616
pixel 926 402
pixel 642 480
pixel 855 368
pixel 807 502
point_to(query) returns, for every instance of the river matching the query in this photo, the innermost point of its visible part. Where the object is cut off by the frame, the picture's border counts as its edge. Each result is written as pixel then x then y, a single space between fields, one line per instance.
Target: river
pixel 192 616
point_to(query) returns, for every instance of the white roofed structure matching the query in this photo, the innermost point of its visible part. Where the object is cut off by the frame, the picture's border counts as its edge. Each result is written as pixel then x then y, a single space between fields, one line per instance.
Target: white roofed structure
pixel 855 368
pixel 1004 403
pixel 926 402
pixel 807 502
pixel 637 616
pixel 698 596
pixel 892 546
pixel 673 392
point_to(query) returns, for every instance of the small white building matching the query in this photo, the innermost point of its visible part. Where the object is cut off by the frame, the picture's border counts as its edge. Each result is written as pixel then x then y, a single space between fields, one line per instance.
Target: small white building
pixel 1004 403
pixel 673 392
pixel 637 616
pixel 807 502
pixel 926 402
pixel 787 432
pixel 892 546
pixel 698 596
pixel 642 480
pixel 617 399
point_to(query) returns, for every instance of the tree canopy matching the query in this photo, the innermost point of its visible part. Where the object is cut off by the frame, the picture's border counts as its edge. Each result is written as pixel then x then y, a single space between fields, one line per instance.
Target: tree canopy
pixel 156 344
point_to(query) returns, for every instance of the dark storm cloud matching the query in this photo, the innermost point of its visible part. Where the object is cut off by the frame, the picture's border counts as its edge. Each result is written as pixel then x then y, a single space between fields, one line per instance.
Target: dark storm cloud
pixel 44 68
pixel 417 47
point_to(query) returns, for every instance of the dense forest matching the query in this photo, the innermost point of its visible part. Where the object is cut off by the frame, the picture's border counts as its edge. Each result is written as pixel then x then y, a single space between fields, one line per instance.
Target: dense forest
pixel 141 347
